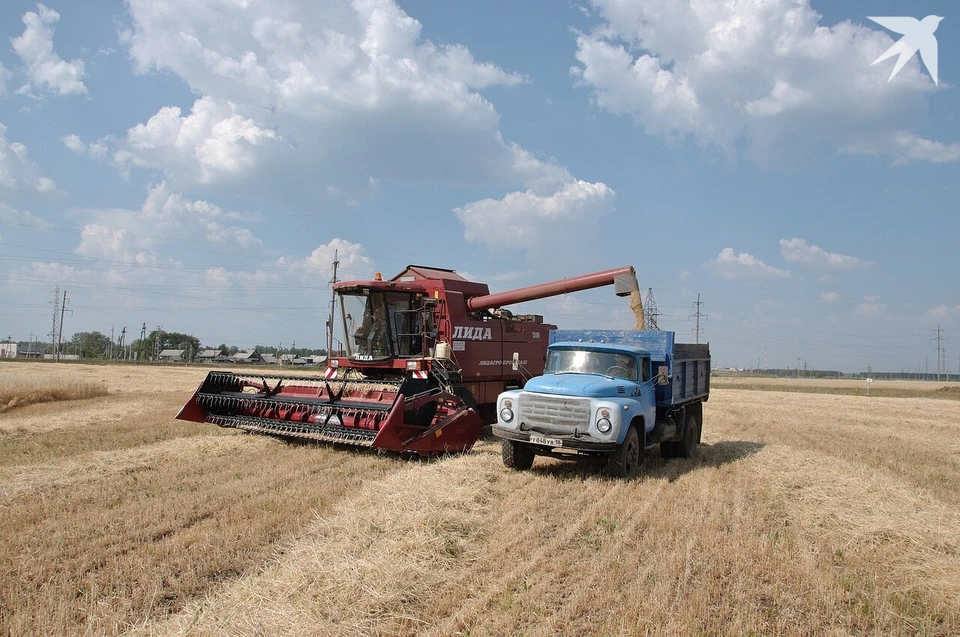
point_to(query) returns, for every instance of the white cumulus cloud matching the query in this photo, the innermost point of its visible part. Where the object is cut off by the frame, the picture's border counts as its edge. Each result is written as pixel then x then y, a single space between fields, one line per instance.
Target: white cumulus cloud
pixel 18 173
pixel 535 223
pixel 307 103
pixel 797 250
pixel 870 308
pixel 5 75
pixel 915 148
pixel 74 143
pixel 211 142
pixel 44 67
pixel 743 267
pixel 765 78
pixel 14 217
pixel 132 235
pixel 829 297
pixel 354 264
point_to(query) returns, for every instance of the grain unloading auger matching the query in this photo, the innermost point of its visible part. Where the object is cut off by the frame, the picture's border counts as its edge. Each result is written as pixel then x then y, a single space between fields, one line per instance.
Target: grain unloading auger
pixel 424 357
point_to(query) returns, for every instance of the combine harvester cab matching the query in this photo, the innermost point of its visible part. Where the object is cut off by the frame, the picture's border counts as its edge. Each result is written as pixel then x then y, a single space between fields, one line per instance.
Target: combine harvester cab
pixel 423 359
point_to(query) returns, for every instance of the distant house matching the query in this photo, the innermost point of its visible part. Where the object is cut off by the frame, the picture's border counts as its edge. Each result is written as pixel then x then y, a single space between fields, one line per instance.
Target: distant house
pixel 268 359
pixel 32 351
pixel 248 357
pixel 213 356
pixel 171 356
pixel 8 349
pixel 316 359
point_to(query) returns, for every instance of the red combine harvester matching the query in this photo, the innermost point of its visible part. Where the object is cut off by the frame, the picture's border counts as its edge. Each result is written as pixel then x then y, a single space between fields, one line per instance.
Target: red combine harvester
pixel 425 356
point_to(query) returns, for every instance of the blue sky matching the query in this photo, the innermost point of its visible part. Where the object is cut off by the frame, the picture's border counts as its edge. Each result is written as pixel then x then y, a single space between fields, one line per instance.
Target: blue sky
pixel 194 165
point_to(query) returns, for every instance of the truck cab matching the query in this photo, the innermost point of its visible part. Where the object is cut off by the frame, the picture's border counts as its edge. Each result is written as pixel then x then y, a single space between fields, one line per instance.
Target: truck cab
pixel 614 397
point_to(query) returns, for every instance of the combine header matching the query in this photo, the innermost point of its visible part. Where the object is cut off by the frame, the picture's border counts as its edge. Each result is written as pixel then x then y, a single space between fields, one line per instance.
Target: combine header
pixel 425 355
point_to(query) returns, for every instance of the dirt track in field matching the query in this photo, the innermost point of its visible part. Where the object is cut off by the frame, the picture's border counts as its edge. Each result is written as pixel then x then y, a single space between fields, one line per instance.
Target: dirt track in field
pixel 803 514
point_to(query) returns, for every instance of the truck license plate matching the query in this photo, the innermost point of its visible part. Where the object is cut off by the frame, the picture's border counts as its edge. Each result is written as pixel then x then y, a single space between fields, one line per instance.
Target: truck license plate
pixel 543 440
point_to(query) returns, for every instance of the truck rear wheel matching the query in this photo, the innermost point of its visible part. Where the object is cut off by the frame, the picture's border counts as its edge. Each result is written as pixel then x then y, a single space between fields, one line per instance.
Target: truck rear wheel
pixel 624 461
pixel 517 455
pixel 691 435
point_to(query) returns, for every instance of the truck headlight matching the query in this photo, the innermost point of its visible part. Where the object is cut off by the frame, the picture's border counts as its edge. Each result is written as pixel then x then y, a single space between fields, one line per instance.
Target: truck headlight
pixel 603 425
pixel 506 414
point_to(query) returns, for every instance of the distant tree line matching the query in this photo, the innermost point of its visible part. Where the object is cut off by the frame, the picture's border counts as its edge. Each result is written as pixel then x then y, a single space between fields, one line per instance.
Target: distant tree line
pixel 96 345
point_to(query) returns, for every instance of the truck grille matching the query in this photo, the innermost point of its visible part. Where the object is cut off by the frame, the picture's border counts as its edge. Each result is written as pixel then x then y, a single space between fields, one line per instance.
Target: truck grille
pixel 553 411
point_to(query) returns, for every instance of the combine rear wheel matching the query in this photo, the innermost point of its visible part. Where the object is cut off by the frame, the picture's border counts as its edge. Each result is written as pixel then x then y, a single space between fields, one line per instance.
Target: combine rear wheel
pixel 517 455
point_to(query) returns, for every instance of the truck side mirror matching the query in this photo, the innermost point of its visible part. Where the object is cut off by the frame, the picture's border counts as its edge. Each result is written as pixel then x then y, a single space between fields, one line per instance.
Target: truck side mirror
pixel 515 363
pixel 663 376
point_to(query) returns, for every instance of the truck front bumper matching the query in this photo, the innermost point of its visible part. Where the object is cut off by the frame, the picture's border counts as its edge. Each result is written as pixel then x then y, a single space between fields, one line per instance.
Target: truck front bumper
pixel 580 443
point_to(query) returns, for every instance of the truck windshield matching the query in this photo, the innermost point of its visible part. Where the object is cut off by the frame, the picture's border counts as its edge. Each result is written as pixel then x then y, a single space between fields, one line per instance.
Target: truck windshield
pixel 560 361
pixel 380 325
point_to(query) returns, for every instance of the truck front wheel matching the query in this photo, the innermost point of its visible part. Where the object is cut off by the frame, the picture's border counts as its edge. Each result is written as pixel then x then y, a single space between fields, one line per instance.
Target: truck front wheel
pixel 624 461
pixel 517 455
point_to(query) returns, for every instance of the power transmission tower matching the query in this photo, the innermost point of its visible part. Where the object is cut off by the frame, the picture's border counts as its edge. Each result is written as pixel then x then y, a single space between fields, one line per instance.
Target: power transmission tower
pixel 63 308
pixel 650 311
pixel 333 301
pixel 158 343
pixel 698 314
pixel 120 344
pixel 56 322
pixel 143 342
pixel 938 339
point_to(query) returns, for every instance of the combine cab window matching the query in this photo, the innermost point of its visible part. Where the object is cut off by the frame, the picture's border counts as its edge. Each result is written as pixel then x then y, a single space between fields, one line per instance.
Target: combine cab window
pixel 380 325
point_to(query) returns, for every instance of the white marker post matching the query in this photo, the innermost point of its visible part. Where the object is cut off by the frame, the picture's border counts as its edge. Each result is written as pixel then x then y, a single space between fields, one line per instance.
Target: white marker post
pixel 869 380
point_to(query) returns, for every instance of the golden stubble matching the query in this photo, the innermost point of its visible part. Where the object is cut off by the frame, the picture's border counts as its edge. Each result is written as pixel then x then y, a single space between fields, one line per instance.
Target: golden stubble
pixel 803 514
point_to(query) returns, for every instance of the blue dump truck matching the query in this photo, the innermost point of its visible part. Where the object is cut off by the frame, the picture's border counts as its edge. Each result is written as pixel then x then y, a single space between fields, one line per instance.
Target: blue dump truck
pixel 612 395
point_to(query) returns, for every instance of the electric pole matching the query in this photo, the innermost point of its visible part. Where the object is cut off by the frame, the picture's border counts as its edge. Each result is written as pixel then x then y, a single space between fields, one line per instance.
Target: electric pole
pixel 333 301
pixel 698 314
pixel 56 319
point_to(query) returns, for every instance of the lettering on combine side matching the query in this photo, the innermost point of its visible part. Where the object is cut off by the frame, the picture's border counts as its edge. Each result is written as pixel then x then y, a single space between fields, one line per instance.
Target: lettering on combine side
pixel 483 363
pixel 472 333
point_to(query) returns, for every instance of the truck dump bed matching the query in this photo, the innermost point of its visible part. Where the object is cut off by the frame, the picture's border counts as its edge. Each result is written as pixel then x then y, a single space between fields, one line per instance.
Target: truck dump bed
pixel 688 364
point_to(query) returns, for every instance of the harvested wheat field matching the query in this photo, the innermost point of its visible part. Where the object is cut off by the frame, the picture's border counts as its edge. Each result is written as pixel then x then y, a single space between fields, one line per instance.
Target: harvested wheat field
pixel 805 513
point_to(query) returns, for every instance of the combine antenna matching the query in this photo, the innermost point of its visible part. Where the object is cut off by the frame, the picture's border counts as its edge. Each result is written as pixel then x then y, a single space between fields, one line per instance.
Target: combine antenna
pixel 650 311
pixel 333 302
pixel 698 315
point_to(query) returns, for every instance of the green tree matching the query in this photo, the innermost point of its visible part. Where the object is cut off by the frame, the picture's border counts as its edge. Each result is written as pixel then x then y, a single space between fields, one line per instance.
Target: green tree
pixel 90 344
pixel 172 340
